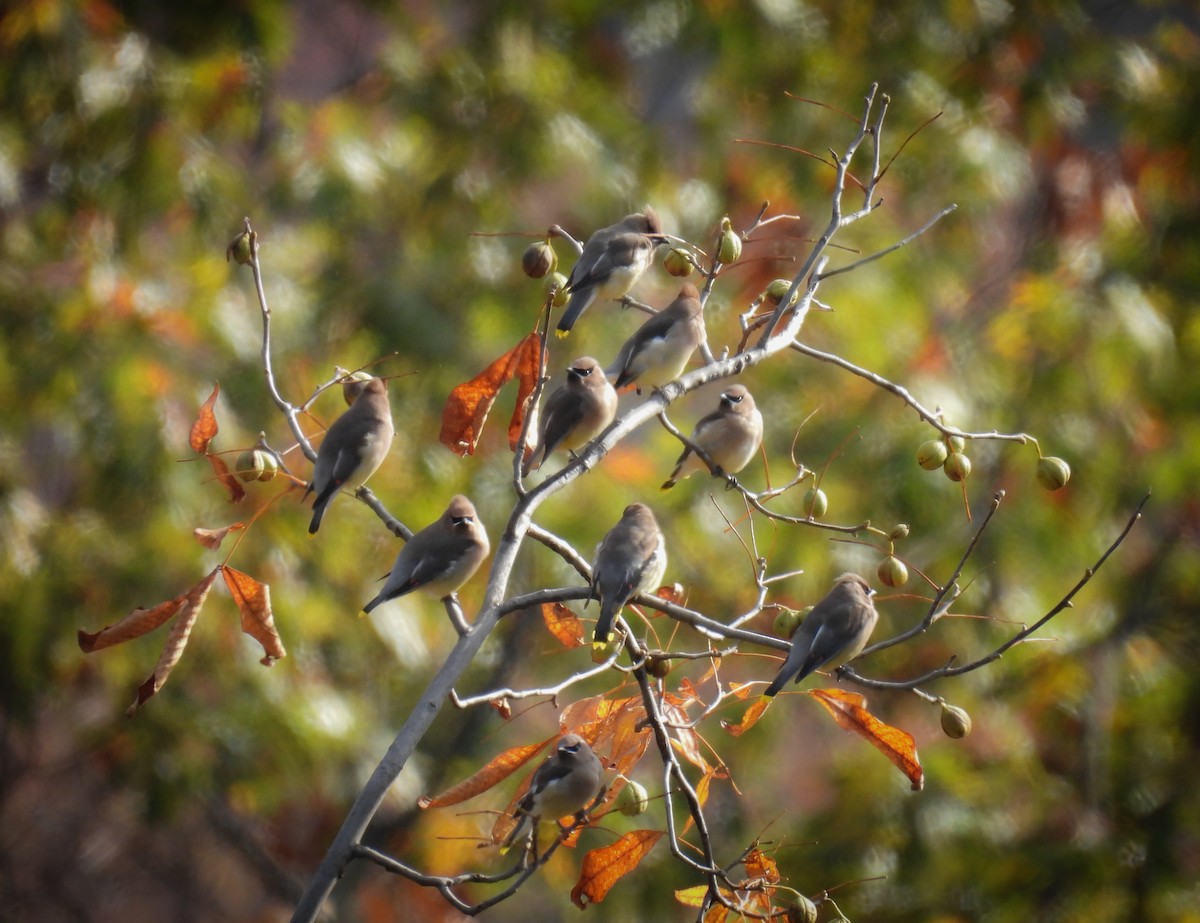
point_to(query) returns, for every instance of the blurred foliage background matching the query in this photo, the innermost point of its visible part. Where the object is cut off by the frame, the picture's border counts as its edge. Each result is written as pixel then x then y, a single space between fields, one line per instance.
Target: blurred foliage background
pixel 369 143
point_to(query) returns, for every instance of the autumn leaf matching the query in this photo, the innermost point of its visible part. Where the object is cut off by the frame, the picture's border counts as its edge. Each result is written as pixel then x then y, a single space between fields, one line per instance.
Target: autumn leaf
pixel 672 593
pixel 692 897
pixel 749 718
pixel 686 740
pixel 176 641
pixel 849 709
pixel 139 622
pixel 530 366
pixel 205 427
pixel 498 769
pixel 604 867
pixel 212 538
pixel 761 867
pixel 237 493
pixel 563 624
pixel 469 404
pixel 254 602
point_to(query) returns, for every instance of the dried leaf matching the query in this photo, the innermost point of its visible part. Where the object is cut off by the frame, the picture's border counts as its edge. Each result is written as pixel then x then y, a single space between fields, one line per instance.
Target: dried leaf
pixel 563 624
pixel 749 718
pixel 237 493
pixel 686 740
pixel 717 913
pixel 702 789
pixel 760 866
pixel 212 538
pixel 134 625
pixel 495 771
pixel 176 641
pixel 530 366
pixel 254 602
pixel 468 405
pixel 604 867
pixel 674 593
pixel 850 711
pixel 205 427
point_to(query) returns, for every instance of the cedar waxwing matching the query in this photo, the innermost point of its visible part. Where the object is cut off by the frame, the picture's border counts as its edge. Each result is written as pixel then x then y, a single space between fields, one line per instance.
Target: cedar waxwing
pixel 630 559
pixel 612 261
pixel 729 436
pixel 575 413
pixel 567 782
pixel 354 446
pixel 659 351
pixel 440 558
pixel 834 633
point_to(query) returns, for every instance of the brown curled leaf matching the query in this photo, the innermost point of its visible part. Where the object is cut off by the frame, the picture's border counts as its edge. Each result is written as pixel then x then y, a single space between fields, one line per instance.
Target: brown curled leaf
pixel 563 624
pixel 212 538
pixel 205 427
pixel 176 642
pixel 749 718
pixel 254 603
pixel 237 493
pixel 497 769
pixel 137 623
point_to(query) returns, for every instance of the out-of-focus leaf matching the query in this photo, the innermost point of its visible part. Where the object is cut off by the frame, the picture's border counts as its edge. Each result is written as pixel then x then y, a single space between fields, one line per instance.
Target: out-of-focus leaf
pixel 134 625
pixel 692 897
pixel 205 427
pixel 672 593
pixel 237 493
pixel 254 602
pixel 850 711
pixel 212 538
pixel 761 866
pixel 685 739
pixel 176 642
pixel 531 366
pixel 604 867
pixel 749 718
pixel 469 404
pixel 497 769
pixel 563 624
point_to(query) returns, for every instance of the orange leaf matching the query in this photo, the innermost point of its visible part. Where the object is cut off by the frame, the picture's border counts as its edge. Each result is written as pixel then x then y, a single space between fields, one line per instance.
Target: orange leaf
pixel 205 427
pixel 134 625
pixel 674 593
pixel 254 602
pixel 604 867
pixel 212 538
pixel 749 718
pixel 849 710
pixel 176 641
pixel 563 624
pixel 530 363
pixel 496 770
pixel 761 866
pixel 702 788
pixel 686 740
pixel 237 493
pixel 717 913
pixel 469 403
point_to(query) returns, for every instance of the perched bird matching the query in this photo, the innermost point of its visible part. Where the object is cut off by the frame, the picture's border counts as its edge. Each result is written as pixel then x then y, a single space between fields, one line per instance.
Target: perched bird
pixel 729 436
pixel 659 351
pixel 440 558
pixel 630 559
pixel 566 782
pixel 834 633
pixel 354 446
pixel 612 261
pixel 575 412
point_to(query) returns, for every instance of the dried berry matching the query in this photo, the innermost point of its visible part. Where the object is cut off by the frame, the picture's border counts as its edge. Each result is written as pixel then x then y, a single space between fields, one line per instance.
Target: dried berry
pixel 786 622
pixel 777 289
pixel 256 465
pixel 899 531
pixel 556 284
pixel 539 259
pixel 956 723
pixel 633 799
pixel 729 244
pixel 658 666
pixel 240 250
pixel 801 910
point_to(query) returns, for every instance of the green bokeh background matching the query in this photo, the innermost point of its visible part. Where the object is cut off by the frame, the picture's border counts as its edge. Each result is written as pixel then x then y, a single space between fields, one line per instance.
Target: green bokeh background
pixel 371 145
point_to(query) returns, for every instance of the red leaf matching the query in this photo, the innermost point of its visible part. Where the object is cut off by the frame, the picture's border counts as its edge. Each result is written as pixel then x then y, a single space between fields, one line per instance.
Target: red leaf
pixel 205 427
pixel 254 602
pixel 468 405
